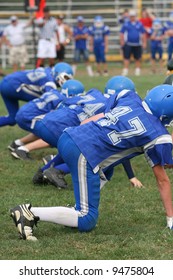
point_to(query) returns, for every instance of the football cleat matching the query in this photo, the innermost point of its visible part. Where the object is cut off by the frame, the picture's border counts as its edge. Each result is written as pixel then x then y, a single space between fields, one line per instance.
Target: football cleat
pixel 13 146
pixel 55 177
pixel 21 154
pixel 38 177
pixel 47 158
pixel 24 220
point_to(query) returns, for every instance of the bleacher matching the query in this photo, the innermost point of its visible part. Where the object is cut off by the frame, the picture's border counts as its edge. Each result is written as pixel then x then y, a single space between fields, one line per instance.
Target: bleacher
pixel 110 10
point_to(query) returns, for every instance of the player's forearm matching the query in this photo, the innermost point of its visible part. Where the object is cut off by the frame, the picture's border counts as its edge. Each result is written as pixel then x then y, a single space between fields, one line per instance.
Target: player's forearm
pixel 93 118
pixel 122 39
pixel 128 168
pixel 106 43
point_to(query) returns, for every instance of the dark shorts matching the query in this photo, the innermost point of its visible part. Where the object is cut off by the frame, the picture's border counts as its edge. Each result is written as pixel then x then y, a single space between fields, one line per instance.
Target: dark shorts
pixel 156 50
pixel 60 54
pixel 136 51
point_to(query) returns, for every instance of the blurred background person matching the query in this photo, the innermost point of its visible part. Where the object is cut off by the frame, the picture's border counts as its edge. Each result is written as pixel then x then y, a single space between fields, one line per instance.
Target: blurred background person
pixel 47 43
pixel 80 36
pixel 65 36
pixel 1 41
pixel 169 34
pixel 99 44
pixel 157 35
pixel 146 19
pixel 14 38
pixel 124 17
pixel 132 41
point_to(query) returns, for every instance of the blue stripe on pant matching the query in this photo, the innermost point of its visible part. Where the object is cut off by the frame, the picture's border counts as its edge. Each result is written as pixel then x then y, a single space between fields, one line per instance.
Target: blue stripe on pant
pixel 86 184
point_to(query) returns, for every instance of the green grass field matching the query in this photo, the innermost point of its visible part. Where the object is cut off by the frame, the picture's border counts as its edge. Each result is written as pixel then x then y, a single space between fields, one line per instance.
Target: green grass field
pixel 131 224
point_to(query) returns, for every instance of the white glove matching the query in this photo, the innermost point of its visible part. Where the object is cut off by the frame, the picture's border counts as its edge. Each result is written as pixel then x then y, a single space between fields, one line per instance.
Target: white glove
pixel 169 222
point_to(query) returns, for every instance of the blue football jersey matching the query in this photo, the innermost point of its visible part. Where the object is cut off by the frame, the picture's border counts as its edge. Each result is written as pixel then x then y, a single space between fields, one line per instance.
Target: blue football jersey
pixel 81 43
pixel 133 32
pixel 30 81
pixel 75 110
pixel 39 106
pixel 98 34
pixel 127 130
pixel 158 33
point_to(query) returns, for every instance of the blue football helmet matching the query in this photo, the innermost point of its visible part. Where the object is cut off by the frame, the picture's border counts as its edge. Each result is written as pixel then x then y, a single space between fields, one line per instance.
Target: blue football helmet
pixel 117 84
pixel 72 87
pixel 62 72
pixel 98 21
pixel 160 101
pixel 156 23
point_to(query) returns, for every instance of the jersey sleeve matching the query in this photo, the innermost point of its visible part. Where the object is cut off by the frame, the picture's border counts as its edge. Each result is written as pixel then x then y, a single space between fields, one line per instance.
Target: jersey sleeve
pixel 123 29
pixel 106 30
pixel 159 153
pixel 90 31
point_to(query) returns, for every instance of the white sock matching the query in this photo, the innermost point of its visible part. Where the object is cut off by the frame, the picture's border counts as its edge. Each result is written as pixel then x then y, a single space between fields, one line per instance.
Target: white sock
pixel 90 71
pixel 19 142
pixel 23 148
pixel 58 215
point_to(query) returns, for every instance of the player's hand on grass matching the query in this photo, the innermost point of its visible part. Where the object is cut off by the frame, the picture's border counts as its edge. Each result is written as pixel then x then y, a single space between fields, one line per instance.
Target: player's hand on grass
pixel 136 183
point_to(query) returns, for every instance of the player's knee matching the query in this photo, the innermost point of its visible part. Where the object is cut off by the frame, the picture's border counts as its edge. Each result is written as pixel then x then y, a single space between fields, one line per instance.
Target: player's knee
pixel 88 222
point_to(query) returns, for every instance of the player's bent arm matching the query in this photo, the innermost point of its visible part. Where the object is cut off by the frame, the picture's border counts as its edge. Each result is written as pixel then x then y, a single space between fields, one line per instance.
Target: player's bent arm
pixel 93 118
pixel 164 187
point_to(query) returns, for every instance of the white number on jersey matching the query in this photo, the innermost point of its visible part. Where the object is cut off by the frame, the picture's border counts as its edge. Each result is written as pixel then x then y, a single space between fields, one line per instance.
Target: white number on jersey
pixel 36 75
pixel 136 126
pixel 45 99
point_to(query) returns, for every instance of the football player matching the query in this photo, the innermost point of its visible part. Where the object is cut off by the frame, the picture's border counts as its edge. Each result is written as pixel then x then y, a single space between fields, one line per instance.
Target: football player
pixel 99 33
pixel 75 111
pixel 129 127
pixel 35 110
pixel 27 85
pixel 169 33
pixel 157 35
